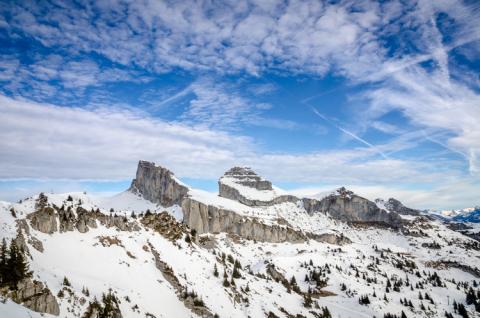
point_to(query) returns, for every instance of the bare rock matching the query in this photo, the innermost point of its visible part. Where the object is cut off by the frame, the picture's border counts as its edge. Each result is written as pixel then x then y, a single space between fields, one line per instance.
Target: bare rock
pixel 33 295
pixel 393 205
pixel 246 177
pixel 158 185
pixel 348 207
pixel 44 220
pixel 165 224
pixel 211 219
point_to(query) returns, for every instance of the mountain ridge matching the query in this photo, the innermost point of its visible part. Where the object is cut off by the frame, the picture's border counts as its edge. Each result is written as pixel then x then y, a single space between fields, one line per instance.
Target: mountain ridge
pixel 334 256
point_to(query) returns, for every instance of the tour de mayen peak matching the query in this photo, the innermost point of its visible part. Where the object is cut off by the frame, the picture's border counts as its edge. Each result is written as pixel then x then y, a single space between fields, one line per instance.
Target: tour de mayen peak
pixel 246 159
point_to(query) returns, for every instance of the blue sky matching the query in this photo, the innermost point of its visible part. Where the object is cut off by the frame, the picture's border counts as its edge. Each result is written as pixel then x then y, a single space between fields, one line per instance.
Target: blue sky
pixel 382 97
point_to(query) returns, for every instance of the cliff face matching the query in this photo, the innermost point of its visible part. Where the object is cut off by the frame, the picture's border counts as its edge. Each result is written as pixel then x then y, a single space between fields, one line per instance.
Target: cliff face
pixel 206 218
pixel 35 296
pixel 229 192
pixel 243 185
pixel 394 205
pixel 52 219
pixel 158 185
pixel 348 207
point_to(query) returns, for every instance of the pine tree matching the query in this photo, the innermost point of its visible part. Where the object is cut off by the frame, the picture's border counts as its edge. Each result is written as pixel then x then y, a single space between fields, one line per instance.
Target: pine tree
pixel 293 281
pixel 3 263
pixel 215 270
pixel 236 273
pixel 17 266
pixel 462 311
pixel 403 315
pixel 110 305
pixel 226 283
pixel 471 297
pixel 307 301
pixel 326 313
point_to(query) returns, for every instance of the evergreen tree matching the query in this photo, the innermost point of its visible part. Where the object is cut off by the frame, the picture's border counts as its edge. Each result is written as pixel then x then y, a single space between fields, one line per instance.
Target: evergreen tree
pixel 236 273
pixel 471 297
pixel 110 305
pixel 17 266
pixel 462 311
pixel 226 283
pixel 307 301
pixel 293 281
pixel 66 282
pixel 3 263
pixel 325 313
pixel 215 270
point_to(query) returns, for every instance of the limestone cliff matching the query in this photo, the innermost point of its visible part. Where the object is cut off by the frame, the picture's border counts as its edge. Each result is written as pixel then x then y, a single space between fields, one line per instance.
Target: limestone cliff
pixel 348 207
pixel 32 294
pixel 158 184
pixel 393 205
pixel 206 218
pixel 242 184
pixel 51 219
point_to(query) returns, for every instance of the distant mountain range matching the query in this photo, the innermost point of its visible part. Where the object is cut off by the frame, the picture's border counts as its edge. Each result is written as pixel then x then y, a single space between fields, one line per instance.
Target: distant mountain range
pixel 471 215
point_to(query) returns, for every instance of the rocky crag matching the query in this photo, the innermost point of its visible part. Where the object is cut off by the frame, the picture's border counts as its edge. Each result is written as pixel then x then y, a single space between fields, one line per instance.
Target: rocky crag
pixel 345 206
pixel 205 218
pixel 247 178
pixel 243 185
pixel 158 185
pixel 393 205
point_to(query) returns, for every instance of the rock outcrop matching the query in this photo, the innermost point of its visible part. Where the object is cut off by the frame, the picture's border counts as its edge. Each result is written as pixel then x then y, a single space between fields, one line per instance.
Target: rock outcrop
pixel 44 220
pixel 247 177
pixel 33 295
pixel 262 191
pixel 393 205
pixel 164 224
pixel 348 207
pixel 206 218
pixel 158 185
pixel 50 219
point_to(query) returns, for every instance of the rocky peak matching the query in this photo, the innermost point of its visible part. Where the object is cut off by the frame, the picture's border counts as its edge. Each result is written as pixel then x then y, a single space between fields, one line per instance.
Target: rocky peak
pixel 243 185
pixel 158 184
pixel 393 205
pixel 247 177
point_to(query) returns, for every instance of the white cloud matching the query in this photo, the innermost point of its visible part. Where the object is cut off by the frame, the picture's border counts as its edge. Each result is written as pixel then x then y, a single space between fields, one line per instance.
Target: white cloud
pixel 300 37
pixel 47 141
pixel 229 37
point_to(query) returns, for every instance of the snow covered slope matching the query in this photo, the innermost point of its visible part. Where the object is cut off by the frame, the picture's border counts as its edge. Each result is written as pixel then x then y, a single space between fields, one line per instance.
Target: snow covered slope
pixel 80 247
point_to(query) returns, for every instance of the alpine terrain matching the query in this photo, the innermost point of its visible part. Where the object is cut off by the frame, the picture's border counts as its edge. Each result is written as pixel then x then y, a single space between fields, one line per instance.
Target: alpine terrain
pixel 164 249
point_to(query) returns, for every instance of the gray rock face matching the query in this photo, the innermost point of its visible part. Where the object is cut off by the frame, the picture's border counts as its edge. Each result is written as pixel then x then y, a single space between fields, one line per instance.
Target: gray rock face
pixel 158 185
pixel 44 220
pixel 330 238
pixel 211 219
pixel 348 207
pixel 33 295
pixel 394 205
pixel 248 178
pixel 228 192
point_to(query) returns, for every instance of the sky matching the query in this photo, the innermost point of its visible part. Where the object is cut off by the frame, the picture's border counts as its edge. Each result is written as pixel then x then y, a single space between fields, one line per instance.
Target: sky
pixel 380 96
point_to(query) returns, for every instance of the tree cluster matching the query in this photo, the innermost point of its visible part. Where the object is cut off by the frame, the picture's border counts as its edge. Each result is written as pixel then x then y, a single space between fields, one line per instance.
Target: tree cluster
pixel 13 264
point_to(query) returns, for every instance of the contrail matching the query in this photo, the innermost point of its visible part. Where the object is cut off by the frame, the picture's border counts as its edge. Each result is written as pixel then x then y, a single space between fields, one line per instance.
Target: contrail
pixel 345 131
